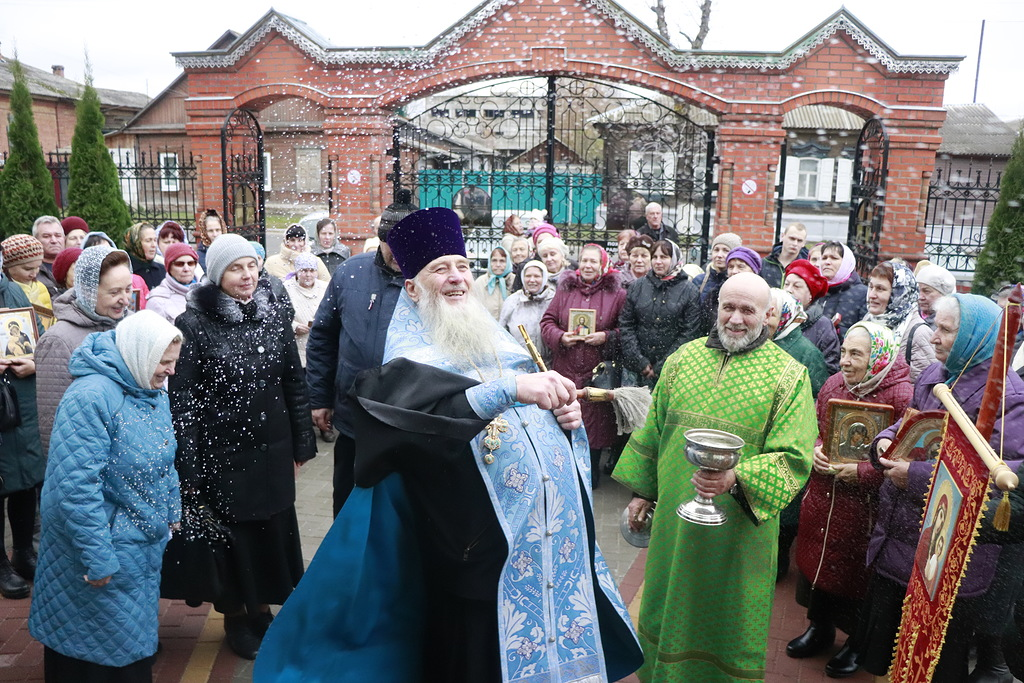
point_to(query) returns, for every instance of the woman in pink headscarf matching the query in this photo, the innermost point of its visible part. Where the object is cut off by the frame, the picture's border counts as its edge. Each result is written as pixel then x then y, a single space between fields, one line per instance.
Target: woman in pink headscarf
pixel 846 301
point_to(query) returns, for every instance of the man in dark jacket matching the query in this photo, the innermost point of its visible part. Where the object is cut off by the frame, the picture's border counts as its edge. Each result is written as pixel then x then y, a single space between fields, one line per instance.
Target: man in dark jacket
pixel 653 227
pixel 791 248
pixel 348 337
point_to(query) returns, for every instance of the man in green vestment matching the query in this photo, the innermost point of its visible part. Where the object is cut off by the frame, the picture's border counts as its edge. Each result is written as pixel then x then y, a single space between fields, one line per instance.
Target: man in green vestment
pixel 708 590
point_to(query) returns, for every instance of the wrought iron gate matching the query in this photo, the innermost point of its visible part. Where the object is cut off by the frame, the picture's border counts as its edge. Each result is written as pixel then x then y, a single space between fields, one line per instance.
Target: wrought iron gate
pixel 241 144
pixel 588 154
pixel 961 199
pixel 867 200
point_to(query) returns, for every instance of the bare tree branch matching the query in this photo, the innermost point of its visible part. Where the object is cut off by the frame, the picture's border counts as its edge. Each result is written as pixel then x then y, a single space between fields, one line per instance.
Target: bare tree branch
pixel 705 25
pixel 696 42
pixel 659 11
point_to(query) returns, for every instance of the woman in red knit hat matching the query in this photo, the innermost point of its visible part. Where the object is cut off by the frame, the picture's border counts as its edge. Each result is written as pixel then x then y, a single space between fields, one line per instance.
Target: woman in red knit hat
pixel 806 283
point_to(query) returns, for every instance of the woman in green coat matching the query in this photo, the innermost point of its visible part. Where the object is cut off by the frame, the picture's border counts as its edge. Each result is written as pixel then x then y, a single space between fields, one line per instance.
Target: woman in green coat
pixel 22 464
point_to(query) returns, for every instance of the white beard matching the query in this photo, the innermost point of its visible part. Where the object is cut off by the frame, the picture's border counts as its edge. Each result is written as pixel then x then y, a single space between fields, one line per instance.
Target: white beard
pixel 732 346
pixel 462 331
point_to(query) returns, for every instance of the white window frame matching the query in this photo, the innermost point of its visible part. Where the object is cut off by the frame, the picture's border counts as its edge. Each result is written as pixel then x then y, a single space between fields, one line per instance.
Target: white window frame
pixel 267 184
pixel 169 181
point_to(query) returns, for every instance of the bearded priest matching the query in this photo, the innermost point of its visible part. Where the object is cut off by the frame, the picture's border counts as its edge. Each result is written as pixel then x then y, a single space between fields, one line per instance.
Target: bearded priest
pixel 707 596
pixel 468 555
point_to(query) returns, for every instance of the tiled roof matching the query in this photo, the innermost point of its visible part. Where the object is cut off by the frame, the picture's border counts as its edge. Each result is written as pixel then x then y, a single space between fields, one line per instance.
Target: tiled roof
pixel 973 130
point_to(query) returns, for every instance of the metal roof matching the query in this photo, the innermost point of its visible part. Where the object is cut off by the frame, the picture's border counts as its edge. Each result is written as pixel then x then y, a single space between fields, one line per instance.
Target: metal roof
pixel 973 130
pixel 43 83
pixel 822 116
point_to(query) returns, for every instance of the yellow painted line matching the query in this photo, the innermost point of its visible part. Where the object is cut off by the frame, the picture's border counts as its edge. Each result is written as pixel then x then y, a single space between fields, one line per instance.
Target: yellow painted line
pixel 200 664
pixel 634 605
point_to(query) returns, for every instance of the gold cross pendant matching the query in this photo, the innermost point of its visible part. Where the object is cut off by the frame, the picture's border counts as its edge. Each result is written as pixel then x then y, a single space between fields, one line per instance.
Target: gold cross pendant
pixel 492 441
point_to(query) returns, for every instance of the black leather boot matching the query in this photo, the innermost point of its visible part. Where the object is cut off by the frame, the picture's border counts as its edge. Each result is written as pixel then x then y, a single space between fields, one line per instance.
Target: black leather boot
pixel 240 637
pixel 815 640
pixel 844 663
pixel 991 666
pixel 12 585
pixel 24 562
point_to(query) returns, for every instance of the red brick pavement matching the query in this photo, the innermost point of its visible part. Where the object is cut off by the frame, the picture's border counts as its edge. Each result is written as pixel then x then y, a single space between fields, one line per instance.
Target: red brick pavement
pixel 182 637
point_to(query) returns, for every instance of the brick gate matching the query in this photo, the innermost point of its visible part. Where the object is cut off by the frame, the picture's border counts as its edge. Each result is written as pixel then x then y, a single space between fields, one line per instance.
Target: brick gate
pixel 839 63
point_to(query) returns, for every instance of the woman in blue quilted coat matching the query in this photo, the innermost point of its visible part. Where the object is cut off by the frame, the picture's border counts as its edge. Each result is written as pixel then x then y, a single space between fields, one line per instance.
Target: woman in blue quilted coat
pixel 109 500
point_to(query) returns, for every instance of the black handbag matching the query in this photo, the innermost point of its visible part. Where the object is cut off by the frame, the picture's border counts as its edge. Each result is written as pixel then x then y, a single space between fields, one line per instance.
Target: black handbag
pixel 195 566
pixel 10 411
pixel 607 375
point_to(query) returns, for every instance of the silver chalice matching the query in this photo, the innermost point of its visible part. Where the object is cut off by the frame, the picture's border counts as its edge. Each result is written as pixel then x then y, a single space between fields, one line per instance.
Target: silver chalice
pixel 712 450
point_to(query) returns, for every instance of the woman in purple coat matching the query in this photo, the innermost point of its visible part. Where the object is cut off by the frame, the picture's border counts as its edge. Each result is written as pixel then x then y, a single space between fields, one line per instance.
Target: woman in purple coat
pixel 576 351
pixel 965 332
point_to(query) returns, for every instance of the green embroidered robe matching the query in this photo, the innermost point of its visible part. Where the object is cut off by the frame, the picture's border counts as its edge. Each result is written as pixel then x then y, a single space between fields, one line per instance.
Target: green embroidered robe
pixel 708 591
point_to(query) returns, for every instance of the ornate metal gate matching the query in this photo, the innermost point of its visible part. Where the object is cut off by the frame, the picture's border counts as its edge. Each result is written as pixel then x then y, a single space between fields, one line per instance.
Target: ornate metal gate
pixel 589 155
pixel 867 201
pixel 241 144
pixel 961 199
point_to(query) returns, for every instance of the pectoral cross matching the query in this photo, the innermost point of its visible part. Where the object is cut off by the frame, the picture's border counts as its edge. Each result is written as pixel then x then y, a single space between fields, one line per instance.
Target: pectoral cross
pixel 492 441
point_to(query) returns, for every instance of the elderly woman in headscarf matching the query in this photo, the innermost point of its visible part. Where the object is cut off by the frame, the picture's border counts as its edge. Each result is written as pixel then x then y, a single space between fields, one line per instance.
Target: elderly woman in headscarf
pixel 527 306
pixel 892 302
pixel 595 286
pixel 241 415
pixel 98 237
pixel 966 327
pixel 846 301
pixel 661 313
pixel 639 263
pixel 97 302
pixel 492 287
pixel 140 243
pixel 807 285
pixel 933 282
pixel 742 260
pixel 842 499
pixel 305 291
pixel 784 327
pixel 109 503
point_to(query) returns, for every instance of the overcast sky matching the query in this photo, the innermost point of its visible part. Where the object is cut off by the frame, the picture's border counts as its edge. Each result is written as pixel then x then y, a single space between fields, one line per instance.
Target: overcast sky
pixel 129 44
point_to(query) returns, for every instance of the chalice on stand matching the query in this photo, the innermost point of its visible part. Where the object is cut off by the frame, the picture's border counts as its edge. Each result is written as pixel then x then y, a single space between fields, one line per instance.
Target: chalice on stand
pixel 711 450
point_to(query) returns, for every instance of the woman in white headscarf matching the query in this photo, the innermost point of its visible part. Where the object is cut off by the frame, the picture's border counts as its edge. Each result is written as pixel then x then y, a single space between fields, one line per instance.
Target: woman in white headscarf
pixel 527 306
pixel 109 502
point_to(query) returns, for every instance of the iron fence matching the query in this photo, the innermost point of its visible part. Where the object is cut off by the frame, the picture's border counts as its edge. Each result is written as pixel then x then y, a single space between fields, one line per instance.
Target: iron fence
pixel 961 199
pixel 157 185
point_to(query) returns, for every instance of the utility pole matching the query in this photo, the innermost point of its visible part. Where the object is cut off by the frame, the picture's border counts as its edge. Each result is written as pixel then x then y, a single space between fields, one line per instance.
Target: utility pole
pixel 977 70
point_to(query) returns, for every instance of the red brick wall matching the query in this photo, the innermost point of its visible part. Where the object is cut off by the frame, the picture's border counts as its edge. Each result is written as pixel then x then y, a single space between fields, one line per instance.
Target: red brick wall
pixel 535 37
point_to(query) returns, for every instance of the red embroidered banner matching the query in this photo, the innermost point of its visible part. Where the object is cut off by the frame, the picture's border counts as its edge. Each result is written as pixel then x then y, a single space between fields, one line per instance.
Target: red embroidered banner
pixel 953 507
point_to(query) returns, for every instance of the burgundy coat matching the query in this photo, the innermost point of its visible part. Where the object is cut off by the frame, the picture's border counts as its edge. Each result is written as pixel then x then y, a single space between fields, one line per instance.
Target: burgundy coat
pixel 894 540
pixel 848 516
pixel 606 296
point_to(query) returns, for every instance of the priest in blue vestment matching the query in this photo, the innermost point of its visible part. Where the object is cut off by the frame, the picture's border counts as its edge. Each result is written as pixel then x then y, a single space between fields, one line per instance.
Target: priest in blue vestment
pixel 467 552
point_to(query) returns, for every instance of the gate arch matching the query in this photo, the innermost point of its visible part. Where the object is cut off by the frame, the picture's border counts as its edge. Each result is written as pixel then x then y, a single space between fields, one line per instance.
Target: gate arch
pixel 588 153
pixel 241 140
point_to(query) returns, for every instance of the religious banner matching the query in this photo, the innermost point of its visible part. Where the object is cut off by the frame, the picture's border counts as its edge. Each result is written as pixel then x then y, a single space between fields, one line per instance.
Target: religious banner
pixel 955 503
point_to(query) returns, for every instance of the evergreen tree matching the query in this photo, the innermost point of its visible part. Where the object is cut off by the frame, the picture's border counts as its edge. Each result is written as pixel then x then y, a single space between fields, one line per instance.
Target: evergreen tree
pixel 26 186
pixel 94 191
pixel 1001 260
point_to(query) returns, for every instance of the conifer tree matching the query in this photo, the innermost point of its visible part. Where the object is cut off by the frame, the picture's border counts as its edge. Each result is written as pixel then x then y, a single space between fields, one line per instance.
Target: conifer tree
pixel 1001 260
pixel 26 186
pixel 94 191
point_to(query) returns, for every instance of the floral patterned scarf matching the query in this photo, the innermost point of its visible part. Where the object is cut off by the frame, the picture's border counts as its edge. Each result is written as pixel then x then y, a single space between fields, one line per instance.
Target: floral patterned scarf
pixel 882 354
pixel 791 313
pixel 902 301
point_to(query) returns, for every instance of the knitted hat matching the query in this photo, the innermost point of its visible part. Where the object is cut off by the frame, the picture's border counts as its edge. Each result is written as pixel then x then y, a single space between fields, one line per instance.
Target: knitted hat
pixel 938 278
pixel 62 264
pixel 748 256
pixel 295 230
pixel 729 239
pixel 544 229
pixel 223 252
pixel 395 211
pixel 87 275
pixel 261 253
pixel 175 251
pixel 423 236
pixel 809 273
pixel 73 223
pixel 142 339
pixel 305 261
pixel 20 249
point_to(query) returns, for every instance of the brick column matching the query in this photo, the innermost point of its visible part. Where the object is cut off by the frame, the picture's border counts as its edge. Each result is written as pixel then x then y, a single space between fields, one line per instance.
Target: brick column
pixel 357 139
pixel 748 148
pixel 912 148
